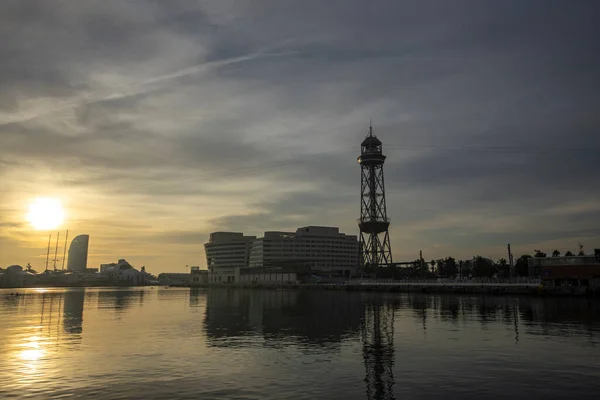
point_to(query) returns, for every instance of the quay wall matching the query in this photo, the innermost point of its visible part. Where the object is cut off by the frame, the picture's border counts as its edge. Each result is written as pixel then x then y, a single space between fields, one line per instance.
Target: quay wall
pixel 427 287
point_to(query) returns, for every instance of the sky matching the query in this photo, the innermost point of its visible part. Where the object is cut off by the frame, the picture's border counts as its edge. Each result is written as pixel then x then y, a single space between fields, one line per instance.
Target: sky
pixel 158 122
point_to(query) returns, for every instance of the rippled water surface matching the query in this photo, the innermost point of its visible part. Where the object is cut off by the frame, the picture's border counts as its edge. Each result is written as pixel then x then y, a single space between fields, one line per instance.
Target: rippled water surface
pixel 157 343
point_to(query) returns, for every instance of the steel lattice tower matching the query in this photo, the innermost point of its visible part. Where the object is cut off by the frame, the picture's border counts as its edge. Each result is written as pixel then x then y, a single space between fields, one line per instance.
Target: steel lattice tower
pixel 373 221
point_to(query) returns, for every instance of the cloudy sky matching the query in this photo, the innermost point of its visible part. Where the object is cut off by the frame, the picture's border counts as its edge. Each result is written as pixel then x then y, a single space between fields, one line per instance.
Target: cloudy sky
pixel 157 122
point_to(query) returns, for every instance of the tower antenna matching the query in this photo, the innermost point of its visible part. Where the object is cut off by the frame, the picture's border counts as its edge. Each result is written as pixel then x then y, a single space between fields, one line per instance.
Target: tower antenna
pixel 56 250
pixel 374 246
pixel 65 252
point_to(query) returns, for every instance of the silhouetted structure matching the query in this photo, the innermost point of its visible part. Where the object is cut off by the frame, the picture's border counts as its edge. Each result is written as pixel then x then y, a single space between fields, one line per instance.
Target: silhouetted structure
pixel 226 253
pixel 566 271
pixel 315 249
pixel 373 221
pixel 78 253
pixel 319 248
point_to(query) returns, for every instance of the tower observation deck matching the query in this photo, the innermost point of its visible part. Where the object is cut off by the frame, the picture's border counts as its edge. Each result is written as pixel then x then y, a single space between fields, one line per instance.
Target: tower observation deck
pixel 375 250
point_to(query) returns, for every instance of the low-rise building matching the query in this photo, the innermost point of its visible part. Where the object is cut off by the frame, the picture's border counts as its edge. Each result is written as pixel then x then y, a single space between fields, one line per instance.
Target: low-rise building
pixel 567 271
pixel 122 272
pixel 255 275
pixel 175 278
pixel 198 276
pixel 16 277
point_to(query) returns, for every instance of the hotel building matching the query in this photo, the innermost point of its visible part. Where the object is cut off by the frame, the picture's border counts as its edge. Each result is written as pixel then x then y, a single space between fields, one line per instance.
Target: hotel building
pixel 316 248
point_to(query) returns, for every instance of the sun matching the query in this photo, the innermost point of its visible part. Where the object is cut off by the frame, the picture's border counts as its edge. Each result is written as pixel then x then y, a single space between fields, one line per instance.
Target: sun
pixel 45 213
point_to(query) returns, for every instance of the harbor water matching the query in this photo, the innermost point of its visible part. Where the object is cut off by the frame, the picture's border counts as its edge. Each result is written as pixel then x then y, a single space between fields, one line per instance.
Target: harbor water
pixel 159 343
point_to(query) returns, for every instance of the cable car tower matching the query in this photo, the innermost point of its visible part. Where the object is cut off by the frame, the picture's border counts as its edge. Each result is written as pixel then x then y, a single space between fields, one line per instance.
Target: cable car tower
pixel 373 222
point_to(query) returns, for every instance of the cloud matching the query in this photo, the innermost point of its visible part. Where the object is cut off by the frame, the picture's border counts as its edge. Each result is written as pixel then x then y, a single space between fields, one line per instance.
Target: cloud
pixel 158 122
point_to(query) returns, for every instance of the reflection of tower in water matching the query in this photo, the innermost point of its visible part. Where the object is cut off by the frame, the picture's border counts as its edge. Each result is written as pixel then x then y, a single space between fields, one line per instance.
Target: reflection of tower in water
pixel 377 334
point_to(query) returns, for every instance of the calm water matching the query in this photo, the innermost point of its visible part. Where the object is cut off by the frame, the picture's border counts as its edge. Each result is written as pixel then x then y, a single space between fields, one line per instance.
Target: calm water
pixel 239 344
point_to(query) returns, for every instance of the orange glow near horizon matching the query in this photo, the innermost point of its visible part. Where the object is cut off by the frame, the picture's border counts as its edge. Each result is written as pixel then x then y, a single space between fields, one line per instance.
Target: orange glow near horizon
pixel 45 213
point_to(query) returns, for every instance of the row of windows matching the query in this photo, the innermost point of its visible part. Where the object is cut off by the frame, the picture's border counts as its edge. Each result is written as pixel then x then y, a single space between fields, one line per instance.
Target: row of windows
pixel 305 255
pixel 222 255
pixel 238 253
pixel 227 246
pixel 306 251
pixel 301 243
pixel 321 265
pixel 307 248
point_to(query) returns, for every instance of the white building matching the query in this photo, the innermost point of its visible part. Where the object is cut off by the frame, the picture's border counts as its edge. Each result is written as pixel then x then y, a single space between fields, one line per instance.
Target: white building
pixel 317 248
pixel 123 272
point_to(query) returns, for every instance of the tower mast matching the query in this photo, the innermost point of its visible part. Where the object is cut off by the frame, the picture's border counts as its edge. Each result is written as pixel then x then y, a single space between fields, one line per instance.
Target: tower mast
pixel 374 246
pixel 56 250
pixel 48 252
pixel 65 252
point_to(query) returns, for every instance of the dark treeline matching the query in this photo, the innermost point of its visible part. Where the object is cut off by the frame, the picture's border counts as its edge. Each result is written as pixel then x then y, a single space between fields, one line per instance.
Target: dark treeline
pixel 477 267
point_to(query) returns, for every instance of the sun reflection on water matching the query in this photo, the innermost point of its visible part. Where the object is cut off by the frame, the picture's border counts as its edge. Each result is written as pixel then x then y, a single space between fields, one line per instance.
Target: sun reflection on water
pixel 32 353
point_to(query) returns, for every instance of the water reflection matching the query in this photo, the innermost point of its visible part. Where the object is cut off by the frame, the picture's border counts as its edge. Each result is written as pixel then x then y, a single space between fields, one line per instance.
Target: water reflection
pixel 73 312
pixel 293 344
pixel 120 300
pixel 377 334
pixel 321 321
pixel 299 316
pixel 38 325
pixel 547 316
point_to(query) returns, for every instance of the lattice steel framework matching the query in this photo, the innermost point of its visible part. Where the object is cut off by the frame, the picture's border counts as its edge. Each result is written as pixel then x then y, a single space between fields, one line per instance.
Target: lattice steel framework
pixel 375 250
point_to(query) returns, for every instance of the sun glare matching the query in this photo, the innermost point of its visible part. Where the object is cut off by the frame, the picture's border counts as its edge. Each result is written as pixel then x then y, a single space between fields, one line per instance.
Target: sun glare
pixel 45 213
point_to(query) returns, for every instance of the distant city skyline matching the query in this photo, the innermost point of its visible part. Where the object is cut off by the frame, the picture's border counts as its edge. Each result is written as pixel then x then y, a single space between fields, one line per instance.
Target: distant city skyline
pixel 157 123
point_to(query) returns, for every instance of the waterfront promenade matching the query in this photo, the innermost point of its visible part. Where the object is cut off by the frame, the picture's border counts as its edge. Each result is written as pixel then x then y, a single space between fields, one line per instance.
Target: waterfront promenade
pixel 517 286
pixel 518 282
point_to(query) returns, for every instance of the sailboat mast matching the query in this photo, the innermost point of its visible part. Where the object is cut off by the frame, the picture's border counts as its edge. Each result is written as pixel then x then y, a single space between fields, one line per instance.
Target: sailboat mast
pixel 65 252
pixel 48 252
pixel 56 250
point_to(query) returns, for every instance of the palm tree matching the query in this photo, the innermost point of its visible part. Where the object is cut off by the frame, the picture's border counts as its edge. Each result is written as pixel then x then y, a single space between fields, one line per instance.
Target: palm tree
pixel 569 254
pixel 539 253
pixel 503 267
pixel 482 267
pixel 556 253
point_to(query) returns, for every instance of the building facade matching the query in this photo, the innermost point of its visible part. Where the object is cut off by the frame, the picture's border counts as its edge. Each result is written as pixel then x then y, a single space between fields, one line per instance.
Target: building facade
pixel 567 271
pixel 319 248
pixel 311 248
pixel 198 276
pixel 226 253
pixel 78 253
